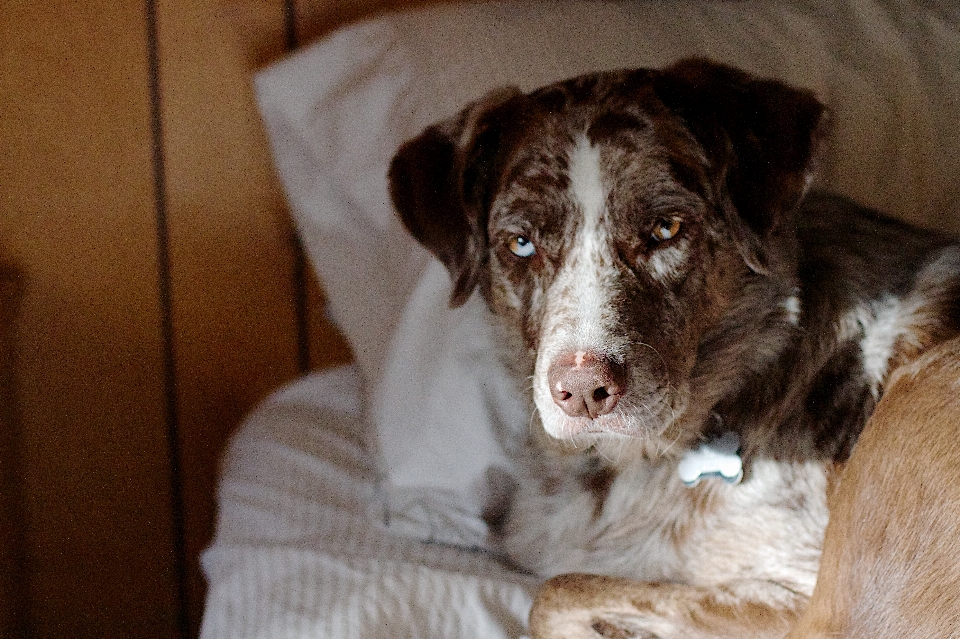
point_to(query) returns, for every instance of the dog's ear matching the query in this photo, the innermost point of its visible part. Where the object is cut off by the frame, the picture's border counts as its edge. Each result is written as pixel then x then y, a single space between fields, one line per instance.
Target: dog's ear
pixel 442 183
pixel 762 137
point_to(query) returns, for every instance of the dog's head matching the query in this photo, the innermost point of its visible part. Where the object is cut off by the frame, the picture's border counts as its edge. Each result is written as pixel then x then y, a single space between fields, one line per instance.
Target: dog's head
pixel 629 227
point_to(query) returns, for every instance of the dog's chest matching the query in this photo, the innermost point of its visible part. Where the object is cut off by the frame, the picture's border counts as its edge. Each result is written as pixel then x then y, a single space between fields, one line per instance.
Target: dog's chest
pixel 645 524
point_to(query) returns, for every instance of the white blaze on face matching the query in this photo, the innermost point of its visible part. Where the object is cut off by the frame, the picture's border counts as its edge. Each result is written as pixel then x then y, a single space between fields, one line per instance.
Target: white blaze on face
pixel 579 302
pixel 586 182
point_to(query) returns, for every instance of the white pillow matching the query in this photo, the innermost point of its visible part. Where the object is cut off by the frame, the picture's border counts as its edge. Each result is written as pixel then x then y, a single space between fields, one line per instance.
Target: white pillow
pixel 337 110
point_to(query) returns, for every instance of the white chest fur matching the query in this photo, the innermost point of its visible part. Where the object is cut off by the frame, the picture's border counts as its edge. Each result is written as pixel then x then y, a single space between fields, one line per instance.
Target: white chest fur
pixel 651 527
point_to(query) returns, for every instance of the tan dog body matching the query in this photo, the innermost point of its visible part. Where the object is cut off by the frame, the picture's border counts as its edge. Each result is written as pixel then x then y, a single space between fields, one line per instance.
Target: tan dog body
pixel 891 557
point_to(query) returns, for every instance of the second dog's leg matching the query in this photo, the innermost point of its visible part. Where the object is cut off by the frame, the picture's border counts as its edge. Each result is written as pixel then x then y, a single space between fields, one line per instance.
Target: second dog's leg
pixel 580 606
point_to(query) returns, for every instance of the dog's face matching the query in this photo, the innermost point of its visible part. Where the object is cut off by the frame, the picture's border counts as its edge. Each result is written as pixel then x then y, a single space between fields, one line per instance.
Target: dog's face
pixel 618 224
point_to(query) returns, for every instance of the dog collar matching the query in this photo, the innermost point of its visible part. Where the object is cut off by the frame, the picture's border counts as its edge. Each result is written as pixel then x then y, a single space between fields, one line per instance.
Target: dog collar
pixel 719 457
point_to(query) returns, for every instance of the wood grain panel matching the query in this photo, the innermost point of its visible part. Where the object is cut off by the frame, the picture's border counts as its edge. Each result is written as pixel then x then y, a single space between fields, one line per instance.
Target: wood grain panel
pixel 232 246
pixel 136 243
pixel 76 214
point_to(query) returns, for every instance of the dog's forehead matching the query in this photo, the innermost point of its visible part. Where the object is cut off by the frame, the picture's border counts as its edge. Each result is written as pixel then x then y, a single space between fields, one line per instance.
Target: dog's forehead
pixel 599 134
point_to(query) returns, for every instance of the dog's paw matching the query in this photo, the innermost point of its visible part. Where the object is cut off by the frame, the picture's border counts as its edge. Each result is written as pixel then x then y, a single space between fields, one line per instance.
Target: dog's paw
pixel 587 626
pixel 608 629
pixel 578 607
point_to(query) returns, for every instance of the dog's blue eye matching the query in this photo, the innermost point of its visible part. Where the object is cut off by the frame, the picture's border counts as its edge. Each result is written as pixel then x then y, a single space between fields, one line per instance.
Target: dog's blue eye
pixel 522 247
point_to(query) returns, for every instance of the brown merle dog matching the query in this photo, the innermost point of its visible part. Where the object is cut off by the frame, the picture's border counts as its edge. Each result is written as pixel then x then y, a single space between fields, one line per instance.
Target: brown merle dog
pixel 647 248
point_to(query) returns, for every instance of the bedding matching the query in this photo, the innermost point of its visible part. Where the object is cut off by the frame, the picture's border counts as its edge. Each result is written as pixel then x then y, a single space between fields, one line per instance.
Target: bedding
pixel 349 502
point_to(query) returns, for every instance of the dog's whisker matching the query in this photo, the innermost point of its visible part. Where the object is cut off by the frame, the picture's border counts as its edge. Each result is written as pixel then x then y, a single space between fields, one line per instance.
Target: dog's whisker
pixel 654 349
pixel 671 444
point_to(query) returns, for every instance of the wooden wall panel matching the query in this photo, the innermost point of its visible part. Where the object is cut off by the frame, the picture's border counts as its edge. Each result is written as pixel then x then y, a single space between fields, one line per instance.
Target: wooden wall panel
pixel 163 295
pixel 76 214
pixel 246 315
pixel 232 249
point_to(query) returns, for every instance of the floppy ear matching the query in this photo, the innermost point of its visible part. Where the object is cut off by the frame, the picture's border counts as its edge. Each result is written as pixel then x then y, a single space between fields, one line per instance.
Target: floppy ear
pixel 762 137
pixel 442 183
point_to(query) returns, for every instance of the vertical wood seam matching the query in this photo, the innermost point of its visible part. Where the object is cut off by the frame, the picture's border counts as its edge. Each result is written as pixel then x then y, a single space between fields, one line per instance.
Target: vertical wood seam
pixel 300 265
pixel 18 619
pixel 167 325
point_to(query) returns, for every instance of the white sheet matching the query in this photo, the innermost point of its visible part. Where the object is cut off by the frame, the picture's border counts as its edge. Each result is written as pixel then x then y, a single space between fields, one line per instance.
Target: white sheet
pixel 306 547
pixel 339 519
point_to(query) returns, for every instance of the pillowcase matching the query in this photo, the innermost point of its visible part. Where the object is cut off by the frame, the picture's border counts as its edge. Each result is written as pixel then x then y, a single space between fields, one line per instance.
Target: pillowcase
pixel 336 111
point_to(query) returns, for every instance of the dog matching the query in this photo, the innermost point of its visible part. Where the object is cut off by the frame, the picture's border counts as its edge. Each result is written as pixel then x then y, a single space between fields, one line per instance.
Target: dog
pixel 891 557
pixel 662 276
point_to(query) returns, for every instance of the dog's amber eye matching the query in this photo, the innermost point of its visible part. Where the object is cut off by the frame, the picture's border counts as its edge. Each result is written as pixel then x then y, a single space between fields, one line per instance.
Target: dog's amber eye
pixel 522 247
pixel 666 229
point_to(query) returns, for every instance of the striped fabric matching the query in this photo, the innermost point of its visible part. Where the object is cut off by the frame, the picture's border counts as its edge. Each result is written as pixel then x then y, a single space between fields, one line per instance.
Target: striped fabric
pixel 305 546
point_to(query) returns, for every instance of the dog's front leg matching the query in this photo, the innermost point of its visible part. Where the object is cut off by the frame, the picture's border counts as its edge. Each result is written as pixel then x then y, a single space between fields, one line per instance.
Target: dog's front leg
pixel 578 606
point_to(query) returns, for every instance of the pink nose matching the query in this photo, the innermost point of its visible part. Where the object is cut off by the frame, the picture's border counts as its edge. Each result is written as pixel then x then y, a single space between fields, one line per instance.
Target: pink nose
pixel 586 385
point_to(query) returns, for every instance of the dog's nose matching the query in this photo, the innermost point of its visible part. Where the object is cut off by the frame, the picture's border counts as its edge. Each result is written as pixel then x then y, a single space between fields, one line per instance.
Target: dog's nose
pixel 586 385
